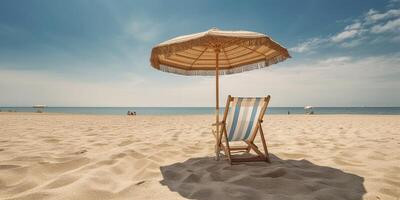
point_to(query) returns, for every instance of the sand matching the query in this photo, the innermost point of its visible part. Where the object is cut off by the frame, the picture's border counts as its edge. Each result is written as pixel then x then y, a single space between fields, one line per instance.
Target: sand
pixel 59 156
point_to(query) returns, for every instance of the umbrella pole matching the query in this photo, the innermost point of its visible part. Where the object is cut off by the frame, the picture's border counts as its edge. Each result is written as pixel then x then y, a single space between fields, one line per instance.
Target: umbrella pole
pixel 217 104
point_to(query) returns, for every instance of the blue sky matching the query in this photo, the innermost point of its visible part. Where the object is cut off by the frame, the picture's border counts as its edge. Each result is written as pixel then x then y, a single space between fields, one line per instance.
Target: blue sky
pixel 96 53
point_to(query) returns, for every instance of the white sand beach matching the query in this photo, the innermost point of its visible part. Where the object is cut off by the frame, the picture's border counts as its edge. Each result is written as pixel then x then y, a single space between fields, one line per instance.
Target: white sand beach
pixel 60 156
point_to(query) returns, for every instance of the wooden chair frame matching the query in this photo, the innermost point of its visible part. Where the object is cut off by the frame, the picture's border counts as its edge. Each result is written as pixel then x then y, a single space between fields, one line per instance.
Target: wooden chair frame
pixel 249 143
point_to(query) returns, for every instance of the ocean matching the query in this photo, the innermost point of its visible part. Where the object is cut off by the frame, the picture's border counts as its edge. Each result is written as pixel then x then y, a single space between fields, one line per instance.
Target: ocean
pixel 204 110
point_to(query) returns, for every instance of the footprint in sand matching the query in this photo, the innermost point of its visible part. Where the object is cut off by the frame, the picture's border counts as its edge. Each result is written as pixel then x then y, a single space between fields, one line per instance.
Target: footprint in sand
pixel 2 167
pixel 340 161
pixel 135 154
pixel 81 151
pixel 61 181
pixel 61 167
pixel 278 172
pixel 124 143
pixel 99 144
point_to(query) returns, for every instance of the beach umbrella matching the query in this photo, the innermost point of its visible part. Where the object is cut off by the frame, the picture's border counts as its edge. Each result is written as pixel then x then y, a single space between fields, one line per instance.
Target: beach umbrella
pixel 216 52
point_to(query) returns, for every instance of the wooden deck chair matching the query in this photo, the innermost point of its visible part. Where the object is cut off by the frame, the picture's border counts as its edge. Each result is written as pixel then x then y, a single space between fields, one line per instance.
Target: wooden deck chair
pixel 241 122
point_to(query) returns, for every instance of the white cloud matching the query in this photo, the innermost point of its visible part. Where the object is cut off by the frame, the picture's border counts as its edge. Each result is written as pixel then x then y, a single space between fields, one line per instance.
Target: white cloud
pixel 356 25
pixel 353 43
pixel 350 31
pixel 369 81
pixel 390 26
pixel 26 87
pixel 345 35
pixel 335 61
pixel 363 30
pixel 307 45
pixel 373 16
pixel 393 3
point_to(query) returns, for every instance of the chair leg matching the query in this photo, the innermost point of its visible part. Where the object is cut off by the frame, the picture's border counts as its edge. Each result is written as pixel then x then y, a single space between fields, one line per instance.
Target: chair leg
pixel 228 152
pixel 255 149
pixel 264 145
pixel 250 146
pixel 217 145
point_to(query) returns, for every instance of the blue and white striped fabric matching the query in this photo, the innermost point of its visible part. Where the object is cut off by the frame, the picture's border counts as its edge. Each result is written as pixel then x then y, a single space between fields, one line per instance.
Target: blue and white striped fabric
pixel 242 117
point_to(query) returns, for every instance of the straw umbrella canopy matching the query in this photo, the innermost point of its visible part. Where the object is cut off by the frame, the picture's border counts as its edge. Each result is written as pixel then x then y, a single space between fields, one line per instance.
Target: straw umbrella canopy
pixel 216 52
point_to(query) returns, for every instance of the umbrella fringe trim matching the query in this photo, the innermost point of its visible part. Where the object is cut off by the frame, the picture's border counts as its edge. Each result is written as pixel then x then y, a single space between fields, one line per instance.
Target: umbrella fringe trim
pixel 235 70
pixel 169 50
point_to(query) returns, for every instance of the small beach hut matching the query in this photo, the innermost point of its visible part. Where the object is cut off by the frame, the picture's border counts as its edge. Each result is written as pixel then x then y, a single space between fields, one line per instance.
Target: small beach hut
pixel 309 110
pixel 216 52
pixel 39 108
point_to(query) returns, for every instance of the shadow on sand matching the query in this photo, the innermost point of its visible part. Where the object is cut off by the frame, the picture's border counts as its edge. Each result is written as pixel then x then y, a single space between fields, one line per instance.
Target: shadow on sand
pixel 207 179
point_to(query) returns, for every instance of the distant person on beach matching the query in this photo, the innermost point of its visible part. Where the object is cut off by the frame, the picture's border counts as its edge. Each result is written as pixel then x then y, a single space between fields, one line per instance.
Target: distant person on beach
pixel 288 112
pixel 131 113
